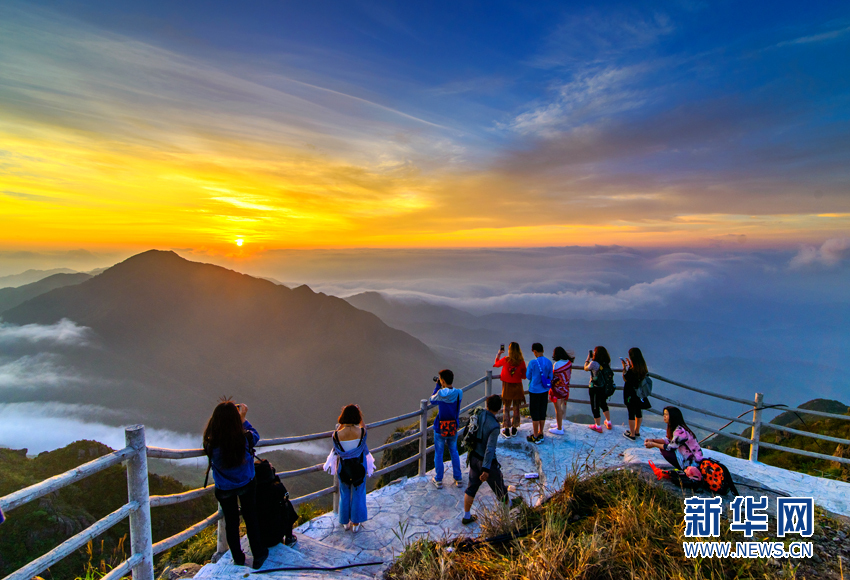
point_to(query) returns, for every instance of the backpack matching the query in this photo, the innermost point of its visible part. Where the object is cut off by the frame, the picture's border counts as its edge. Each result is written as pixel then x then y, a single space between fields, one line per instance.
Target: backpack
pixel 544 379
pixel 275 513
pixel 716 477
pixel 472 432
pixel 561 388
pixel 604 379
pixel 351 471
pixel 644 388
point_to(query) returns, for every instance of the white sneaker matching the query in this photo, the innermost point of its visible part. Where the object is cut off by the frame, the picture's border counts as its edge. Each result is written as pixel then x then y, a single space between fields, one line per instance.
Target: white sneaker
pixel 556 431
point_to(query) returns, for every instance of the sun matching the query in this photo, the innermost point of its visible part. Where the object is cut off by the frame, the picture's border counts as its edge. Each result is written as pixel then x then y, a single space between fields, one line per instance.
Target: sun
pixel 239 241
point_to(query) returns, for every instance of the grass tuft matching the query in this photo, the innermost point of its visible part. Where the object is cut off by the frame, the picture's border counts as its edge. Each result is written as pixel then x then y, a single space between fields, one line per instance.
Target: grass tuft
pixel 612 525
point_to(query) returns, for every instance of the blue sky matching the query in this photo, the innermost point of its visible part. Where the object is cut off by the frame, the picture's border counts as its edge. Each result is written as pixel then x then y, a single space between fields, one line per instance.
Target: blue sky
pixel 677 123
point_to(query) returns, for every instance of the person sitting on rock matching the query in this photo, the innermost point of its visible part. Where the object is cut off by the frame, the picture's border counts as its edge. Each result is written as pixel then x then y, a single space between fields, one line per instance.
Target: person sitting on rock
pixel 680 448
pixel 483 466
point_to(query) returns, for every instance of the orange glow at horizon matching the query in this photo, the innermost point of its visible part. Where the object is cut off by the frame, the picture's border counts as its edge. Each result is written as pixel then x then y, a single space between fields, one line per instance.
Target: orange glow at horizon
pixel 63 190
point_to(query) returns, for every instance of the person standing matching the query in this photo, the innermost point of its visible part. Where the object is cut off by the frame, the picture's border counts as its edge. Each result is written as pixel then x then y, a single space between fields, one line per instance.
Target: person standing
pixel 448 400
pixel 634 371
pixel 559 394
pixel 351 461
pixel 539 375
pixel 483 465
pixel 513 395
pixel 229 440
pixel 599 364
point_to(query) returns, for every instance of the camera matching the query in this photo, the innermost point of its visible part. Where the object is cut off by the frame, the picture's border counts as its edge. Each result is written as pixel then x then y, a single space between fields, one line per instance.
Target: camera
pixel 436 379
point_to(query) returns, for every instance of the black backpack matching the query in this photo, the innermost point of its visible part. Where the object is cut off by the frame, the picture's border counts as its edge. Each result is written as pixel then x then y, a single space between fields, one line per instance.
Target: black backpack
pixel 275 513
pixel 351 471
pixel 604 379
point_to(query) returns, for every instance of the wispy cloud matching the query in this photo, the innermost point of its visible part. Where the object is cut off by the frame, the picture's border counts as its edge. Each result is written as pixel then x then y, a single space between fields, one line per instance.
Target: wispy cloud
pixel 46 426
pixel 831 253
pixel 820 37
pixel 64 332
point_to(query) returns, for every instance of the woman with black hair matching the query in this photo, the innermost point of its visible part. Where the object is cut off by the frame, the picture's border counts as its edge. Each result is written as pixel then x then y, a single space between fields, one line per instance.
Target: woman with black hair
pixel 351 460
pixel 634 371
pixel 559 394
pixel 598 363
pixel 680 448
pixel 229 440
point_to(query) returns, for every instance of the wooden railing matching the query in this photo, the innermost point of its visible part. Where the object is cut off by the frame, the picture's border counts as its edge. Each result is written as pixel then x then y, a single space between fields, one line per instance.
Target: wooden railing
pixel 140 502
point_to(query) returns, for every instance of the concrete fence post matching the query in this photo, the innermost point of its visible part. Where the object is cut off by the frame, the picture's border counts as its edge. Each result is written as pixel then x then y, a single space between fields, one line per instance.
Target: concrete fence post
pixel 488 384
pixel 423 436
pixel 141 542
pixel 221 545
pixel 756 433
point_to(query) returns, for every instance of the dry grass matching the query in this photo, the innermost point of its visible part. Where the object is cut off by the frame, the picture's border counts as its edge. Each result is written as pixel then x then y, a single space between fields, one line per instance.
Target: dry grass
pixel 613 525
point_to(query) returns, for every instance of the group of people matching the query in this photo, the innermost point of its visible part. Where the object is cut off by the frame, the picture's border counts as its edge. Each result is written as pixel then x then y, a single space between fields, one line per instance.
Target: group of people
pixel 549 381
pixel 229 438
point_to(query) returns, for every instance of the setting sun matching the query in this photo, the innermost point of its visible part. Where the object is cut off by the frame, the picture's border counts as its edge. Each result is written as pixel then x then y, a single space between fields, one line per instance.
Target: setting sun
pixel 239 242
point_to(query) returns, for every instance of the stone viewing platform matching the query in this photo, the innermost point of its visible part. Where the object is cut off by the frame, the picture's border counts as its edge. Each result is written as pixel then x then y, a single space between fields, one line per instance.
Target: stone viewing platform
pixel 409 508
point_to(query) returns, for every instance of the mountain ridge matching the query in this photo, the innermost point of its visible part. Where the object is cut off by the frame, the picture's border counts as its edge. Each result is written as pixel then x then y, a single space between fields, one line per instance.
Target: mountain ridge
pixel 293 355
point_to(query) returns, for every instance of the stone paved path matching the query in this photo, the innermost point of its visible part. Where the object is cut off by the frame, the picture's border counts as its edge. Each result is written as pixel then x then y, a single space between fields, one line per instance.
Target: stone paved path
pixel 412 507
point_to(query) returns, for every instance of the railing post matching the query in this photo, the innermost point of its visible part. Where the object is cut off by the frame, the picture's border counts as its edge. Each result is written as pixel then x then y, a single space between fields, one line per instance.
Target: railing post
pixel 423 437
pixel 488 384
pixel 754 440
pixel 141 541
pixel 221 546
pixel 336 493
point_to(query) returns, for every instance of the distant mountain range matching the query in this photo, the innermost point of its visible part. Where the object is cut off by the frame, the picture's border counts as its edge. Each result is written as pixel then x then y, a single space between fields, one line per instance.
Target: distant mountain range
pixel 11 297
pixel 30 276
pixel 172 336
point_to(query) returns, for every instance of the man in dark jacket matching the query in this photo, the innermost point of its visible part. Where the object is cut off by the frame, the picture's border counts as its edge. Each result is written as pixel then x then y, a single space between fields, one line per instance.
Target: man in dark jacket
pixel 483 466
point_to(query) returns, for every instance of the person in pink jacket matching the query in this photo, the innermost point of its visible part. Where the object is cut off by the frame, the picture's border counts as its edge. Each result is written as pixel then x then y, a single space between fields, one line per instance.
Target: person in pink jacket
pixel 680 448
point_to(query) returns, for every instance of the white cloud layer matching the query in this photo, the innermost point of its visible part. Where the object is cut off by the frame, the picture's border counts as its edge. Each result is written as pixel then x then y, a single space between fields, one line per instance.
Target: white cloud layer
pixel 832 252
pixel 47 426
pixel 65 332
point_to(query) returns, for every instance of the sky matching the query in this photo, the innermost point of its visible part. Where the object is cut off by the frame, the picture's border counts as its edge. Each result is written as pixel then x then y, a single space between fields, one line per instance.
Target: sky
pixel 338 125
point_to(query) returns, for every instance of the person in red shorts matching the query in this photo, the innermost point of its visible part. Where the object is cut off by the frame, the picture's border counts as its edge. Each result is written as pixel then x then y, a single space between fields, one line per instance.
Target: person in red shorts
pixel 513 395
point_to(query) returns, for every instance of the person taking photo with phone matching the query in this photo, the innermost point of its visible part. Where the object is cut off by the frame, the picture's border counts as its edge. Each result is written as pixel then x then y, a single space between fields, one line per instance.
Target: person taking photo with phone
pixel 513 395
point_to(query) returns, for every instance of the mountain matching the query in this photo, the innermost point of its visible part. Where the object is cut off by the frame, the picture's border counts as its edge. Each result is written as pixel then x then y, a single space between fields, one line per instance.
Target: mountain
pixel 172 336
pixel 801 422
pixel 31 276
pixel 11 297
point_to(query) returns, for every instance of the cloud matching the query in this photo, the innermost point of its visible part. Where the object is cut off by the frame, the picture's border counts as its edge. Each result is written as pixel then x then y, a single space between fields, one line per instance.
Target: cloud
pixel 831 253
pixel 47 426
pixel 819 37
pixel 65 332
pixel 38 371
